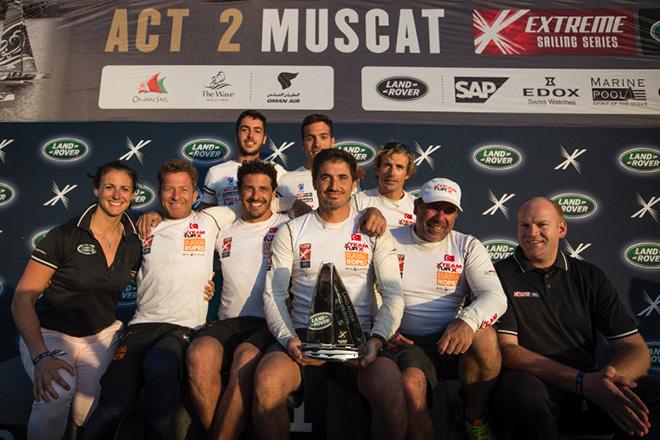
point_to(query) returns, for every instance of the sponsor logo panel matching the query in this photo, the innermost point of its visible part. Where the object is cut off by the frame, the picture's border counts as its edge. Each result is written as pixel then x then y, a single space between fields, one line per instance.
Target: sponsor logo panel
pixel 645 255
pixel 554 32
pixel 65 149
pixel 641 159
pixel 362 152
pixel 497 157
pixel 575 205
pixel 205 150
pixel 476 89
pixel 499 249
pixel 402 88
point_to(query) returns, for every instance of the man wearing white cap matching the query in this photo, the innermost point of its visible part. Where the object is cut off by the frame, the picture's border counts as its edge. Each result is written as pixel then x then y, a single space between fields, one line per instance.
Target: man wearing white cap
pixel 452 297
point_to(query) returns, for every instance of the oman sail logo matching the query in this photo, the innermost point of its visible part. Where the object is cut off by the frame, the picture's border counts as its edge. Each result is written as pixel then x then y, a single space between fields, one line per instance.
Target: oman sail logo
pixel 153 85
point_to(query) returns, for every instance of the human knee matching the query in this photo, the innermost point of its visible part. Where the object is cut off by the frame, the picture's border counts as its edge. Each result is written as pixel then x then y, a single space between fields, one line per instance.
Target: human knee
pixel 203 358
pixel 245 361
pixel 381 382
pixel 270 387
pixel 415 386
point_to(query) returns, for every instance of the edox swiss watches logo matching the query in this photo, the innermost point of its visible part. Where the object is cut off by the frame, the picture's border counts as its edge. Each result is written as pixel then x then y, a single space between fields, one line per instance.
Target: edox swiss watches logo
pixel 643 255
pixel 499 249
pixel 641 159
pixel 576 205
pixel 497 157
pixel 65 149
pixel 205 150
pixel 402 88
pixel 363 153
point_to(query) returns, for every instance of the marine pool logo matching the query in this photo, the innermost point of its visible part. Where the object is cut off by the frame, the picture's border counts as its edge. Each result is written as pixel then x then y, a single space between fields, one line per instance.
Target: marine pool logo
pixel 143 196
pixel 402 88
pixel 7 193
pixel 576 205
pixel 65 149
pixel 644 255
pixel 641 160
pixel 499 249
pixel 497 157
pixel 654 351
pixel 205 150
pixel 363 153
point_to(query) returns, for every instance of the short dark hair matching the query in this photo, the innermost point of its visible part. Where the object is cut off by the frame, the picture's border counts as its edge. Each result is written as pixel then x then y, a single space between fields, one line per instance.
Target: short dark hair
pixel 257 167
pixel 313 118
pixel 334 155
pixel 392 147
pixel 116 165
pixel 177 166
pixel 254 114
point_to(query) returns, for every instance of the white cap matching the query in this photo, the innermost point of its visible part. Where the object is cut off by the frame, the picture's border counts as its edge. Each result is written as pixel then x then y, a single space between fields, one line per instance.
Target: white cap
pixel 441 190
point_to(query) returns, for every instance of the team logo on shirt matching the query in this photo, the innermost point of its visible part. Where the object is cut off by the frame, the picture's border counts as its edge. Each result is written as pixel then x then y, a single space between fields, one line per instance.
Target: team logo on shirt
pixel 120 353
pixel 301 187
pixel 408 219
pixel 86 249
pixel 194 241
pixel 146 245
pixel 226 247
pixel 305 254
pixel 525 294
pixel 402 262
pixel 448 272
pixel 267 246
pixel 356 253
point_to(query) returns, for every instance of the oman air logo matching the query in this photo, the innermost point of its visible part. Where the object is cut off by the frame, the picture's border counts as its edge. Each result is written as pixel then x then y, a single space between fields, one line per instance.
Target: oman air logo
pixel 402 88
pixel 644 255
pixel 576 205
pixel 278 152
pixel 38 238
pixel 499 249
pixel 654 304
pixel 654 351
pixel 65 149
pixel 285 79
pixel 363 153
pixel 641 160
pixel 647 207
pixel 571 159
pixel 3 144
pixel 497 157
pixel 425 155
pixel 134 150
pixel 489 33
pixel 205 150
pixel 142 197
pixel 476 89
pixel 575 253
pixel 60 195
pixel 153 85
pixel 7 193
pixel 498 204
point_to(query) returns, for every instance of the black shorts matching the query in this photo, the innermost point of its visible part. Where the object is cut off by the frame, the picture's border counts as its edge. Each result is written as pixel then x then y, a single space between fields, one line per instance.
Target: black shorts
pixel 234 331
pixel 313 376
pixel 124 374
pixel 424 356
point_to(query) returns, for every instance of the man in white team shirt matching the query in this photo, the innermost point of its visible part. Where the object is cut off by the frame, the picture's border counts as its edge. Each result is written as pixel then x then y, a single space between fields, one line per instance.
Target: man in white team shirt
pixel 220 186
pixel 395 164
pixel 176 264
pixel 330 233
pixel 440 334
pixel 235 342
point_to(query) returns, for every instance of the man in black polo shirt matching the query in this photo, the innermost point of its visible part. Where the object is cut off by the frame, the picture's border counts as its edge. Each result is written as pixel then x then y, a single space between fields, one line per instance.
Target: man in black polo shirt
pixel 550 382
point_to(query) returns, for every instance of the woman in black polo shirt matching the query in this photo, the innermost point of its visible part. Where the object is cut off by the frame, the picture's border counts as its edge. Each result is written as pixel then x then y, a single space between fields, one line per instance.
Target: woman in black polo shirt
pixel 64 304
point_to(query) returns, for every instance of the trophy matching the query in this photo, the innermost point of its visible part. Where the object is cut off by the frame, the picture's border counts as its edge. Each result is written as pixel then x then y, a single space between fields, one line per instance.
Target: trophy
pixel 334 332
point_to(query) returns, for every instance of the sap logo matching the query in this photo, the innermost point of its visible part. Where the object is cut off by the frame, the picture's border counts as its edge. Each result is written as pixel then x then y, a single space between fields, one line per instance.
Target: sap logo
pixel 476 89
pixel 205 150
pixel 402 88
pixel 547 92
pixel 363 153
pixel 65 149
pixel 576 205
pixel 644 255
pixel 134 150
pixel 499 249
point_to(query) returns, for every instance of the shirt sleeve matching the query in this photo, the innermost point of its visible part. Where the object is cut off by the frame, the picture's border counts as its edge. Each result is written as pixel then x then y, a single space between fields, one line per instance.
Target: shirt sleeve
pixel 389 284
pixel 208 190
pixel 50 251
pixel 223 215
pixel 489 298
pixel 276 291
pixel 508 322
pixel 612 319
pixel 359 201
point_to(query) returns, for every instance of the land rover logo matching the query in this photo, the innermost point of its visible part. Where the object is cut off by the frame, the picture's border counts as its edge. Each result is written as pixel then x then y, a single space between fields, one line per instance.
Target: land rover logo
pixel 129 295
pixel 319 321
pixel 654 351
pixel 402 88
pixel 6 193
pixel 38 237
pixel 87 249
pixel 641 160
pixel 499 249
pixel 645 255
pixel 65 149
pixel 205 150
pixel 497 157
pixel 576 205
pixel 655 31
pixel 363 153
pixel 415 192
pixel 142 197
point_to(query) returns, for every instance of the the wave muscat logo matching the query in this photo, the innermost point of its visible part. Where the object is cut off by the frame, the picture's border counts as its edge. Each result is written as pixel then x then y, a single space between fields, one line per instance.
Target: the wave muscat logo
pixel 497 157
pixel 65 149
pixel 554 31
pixel 363 153
pixel 205 150
pixel 576 205
pixel 641 159
pixel 644 255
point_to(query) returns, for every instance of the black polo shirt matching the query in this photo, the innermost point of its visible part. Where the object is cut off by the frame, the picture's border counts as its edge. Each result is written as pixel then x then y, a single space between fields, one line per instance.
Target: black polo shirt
pixel 556 313
pixel 84 291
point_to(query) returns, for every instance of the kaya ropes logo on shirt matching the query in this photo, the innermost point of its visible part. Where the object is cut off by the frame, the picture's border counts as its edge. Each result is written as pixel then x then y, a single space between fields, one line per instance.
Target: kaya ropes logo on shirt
pixel 448 272
pixel 356 253
pixel 194 241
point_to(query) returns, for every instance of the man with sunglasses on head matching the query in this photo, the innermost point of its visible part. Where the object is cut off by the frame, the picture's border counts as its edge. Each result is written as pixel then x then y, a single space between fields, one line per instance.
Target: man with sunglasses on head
pixel 452 297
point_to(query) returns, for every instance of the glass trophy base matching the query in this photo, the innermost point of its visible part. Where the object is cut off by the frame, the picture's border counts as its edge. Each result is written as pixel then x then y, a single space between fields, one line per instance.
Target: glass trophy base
pixel 329 353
